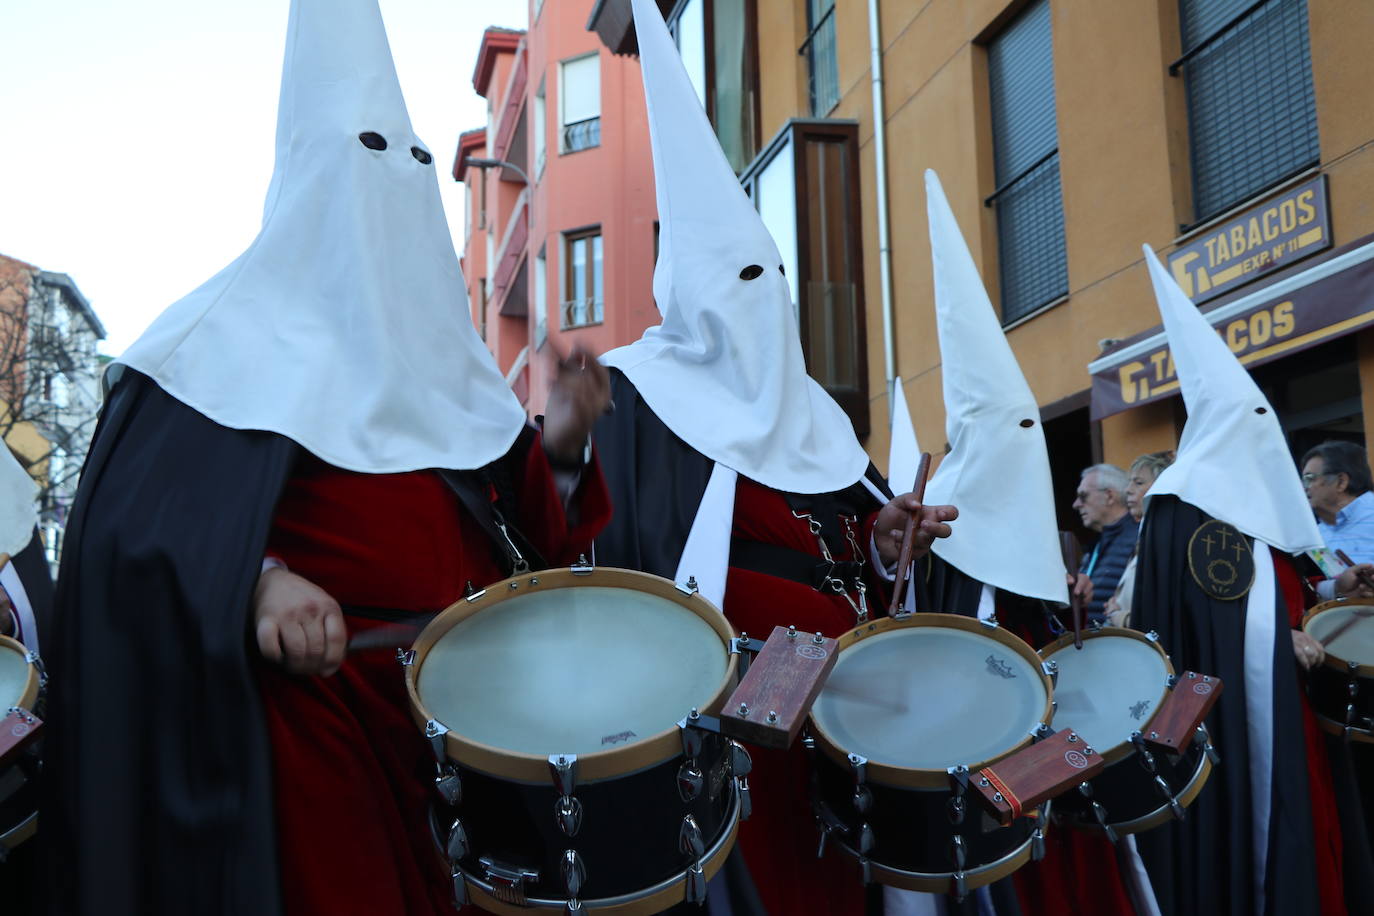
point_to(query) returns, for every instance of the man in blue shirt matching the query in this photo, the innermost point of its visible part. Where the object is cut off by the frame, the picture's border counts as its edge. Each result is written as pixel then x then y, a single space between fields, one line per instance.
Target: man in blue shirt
pixel 1337 480
pixel 1101 503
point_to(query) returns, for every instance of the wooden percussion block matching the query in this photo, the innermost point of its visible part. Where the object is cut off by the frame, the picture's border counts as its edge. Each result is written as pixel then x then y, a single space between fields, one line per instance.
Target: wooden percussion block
pixel 775 697
pixel 1033 774
pixel 16 731
pixel 1182 711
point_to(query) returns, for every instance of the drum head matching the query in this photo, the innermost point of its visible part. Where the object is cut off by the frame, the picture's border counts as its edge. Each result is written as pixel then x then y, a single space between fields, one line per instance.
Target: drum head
pixel 15 674
pixel 572 670
pixel 930 697
pixel 1355 640
pixel 1109 688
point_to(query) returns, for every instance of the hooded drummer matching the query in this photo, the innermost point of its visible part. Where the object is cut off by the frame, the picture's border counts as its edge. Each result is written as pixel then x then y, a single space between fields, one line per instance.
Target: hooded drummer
pixel 728 464
pixel 311 444
pixel 1216 581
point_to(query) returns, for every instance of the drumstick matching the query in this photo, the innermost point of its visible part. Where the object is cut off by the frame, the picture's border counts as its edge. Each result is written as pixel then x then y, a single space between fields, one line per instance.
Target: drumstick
pixel 909 536
pixel 396 636
pixel 850 693
pixel 1365 579
pixel 1355 617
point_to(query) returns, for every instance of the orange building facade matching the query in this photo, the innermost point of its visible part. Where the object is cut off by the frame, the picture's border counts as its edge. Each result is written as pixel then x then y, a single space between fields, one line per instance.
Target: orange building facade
pixel 559 248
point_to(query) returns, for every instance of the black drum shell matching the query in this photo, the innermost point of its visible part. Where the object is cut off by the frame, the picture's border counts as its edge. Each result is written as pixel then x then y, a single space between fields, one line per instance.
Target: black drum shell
pixel 1330 692
pixel 1126 789
pixel 629 835
pixel 911 827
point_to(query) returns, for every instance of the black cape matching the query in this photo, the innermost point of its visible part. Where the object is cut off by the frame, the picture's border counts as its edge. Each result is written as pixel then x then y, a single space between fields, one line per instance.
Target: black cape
pixel 157 797
pixel 1205 864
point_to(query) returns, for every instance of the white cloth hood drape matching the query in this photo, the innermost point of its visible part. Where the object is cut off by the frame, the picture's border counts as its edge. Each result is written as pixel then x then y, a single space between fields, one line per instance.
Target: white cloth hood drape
pixel 18 505
pixel 724 371
pixel 345 325
pixel 903 451
pixel 1233 462
pixel 998 469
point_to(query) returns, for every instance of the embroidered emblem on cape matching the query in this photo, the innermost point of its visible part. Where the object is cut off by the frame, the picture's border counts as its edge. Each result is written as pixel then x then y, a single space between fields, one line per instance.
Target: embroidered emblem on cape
pixel 1220 560
pixel 999 667
pixel 1138 709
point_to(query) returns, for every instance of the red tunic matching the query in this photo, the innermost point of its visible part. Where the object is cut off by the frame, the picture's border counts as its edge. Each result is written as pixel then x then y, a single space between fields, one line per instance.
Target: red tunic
pixel 354 775
pixel 779 841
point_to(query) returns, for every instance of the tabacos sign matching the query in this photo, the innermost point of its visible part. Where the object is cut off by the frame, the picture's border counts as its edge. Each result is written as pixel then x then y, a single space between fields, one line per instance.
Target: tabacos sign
pixel 1292 225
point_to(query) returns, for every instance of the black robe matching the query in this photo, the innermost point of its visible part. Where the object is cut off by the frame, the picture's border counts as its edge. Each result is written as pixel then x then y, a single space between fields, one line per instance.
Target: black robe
pixel 1205 864
pixel 157 796
pixel 656 482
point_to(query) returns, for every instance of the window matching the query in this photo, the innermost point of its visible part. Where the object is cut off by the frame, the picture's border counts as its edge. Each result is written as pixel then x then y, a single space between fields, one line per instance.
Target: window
pixel 718 43
pixel 1025 143
pixel 580 103
pixel 482 307
pixel 540 120
pixel 1252 120
pixel 819 51
pixel 541 300
pixel 805 185
pixel 582 303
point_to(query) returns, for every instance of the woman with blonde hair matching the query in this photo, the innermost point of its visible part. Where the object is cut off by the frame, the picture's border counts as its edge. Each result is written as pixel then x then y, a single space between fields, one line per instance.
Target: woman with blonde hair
pixel 1142 475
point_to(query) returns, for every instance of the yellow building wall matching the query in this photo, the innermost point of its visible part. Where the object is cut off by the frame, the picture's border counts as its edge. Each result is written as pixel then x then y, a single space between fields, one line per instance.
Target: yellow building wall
pixel 1123 142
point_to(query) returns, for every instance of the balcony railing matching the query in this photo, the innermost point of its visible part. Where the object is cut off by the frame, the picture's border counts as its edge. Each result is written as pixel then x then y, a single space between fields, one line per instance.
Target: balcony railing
pixel 581 135
pixel 577 313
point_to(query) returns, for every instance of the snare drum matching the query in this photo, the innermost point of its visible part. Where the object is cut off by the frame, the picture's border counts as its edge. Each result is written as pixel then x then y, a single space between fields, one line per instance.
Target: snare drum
pixel 1110 692
pixel 20 688
pixel 1342 687
pixel 554 702
pixel 910 701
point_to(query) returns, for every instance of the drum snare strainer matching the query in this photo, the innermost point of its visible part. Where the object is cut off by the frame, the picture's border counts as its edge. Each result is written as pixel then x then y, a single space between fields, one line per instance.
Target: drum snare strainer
pixel 554 701
pixel 912 707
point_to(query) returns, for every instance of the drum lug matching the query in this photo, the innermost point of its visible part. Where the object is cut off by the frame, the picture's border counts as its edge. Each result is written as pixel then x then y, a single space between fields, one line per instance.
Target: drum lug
pixel 567 812
pixel 460 888
pixel 508 881
pixel 990 623
pixel 1201 737
pixel 960 887
pixel 866 840
pixel 1153 636
pixel 574 872
pixel 957 853
pixel 689 839
pixel 573 907
pixel 694 889
pixel 457 847
pixel 865 870
pixel 690 780
pixel 563 768
pixel 448 784
pixel 741 764
pixel 746 802
pixel 474 596
pixel 1100 814
pixel 859 765
pixel 863 800
pixel 689 587
pixel 582 567
pixel 1038 844
pixel 1051 669
pixel 1170 681
pixel 1042 731
pixel 406 657
pixel 435 732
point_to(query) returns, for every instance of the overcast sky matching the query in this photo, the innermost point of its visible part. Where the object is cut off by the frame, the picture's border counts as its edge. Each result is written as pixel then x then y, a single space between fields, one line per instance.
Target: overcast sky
pixel 137 135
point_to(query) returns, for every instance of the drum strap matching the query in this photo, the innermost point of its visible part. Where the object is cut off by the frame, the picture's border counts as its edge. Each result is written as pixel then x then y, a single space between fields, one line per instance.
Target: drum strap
pixel 793 565
pixel 480 495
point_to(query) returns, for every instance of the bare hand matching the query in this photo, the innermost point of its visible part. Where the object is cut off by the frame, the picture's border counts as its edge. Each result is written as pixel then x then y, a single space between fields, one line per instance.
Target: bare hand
pixel 1082 587
pixel 297 624
pixel 1348 584
pixel 1308 651
pixel 581 392
pixel 891 524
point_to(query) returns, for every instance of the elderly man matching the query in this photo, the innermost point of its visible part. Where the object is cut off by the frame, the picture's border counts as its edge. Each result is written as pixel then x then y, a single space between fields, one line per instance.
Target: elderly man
pixel 1101 503
pixel 1336 477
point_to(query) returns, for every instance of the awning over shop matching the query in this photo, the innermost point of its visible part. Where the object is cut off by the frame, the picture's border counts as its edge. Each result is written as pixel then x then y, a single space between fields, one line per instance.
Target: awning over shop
pixel 1312 303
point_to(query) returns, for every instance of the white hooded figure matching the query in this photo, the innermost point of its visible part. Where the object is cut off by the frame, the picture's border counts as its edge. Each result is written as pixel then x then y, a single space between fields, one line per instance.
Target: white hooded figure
pixel 1234 464
pixel 18 505
pixel 349 306
pixel 998 469
pixel 725 370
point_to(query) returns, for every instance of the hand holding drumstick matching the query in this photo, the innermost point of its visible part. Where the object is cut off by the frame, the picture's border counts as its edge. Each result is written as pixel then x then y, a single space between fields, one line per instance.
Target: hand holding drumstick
pixel 906 528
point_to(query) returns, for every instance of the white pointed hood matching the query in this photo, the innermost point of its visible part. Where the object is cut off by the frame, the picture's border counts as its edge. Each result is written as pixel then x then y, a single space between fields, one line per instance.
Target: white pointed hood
pixel 18 504
pixel 724 371
pixel 903 451
pixel 345 325
pixel 1233 461
pixel 998 469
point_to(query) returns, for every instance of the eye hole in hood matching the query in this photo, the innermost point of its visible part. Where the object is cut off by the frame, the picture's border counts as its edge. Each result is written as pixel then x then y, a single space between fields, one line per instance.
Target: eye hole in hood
pixel 752 272
pixel 422 155
pixel 372 140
